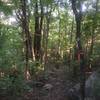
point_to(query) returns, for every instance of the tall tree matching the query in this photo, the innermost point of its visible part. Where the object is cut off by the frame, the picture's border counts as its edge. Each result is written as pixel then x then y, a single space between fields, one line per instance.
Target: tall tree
pixel 77 9
pixel 94 26
pixel 38 29
pixel 23 15
pixel 48 18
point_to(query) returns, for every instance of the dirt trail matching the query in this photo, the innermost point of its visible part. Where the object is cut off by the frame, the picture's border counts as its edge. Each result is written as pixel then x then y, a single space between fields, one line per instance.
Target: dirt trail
pixel 59 87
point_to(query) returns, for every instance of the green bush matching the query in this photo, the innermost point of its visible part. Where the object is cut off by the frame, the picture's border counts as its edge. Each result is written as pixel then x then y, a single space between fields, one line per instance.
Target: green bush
pixel 13 86
pixel 4 85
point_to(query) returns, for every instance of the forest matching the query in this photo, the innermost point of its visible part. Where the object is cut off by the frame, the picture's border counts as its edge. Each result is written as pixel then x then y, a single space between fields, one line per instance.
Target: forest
pixel 49 49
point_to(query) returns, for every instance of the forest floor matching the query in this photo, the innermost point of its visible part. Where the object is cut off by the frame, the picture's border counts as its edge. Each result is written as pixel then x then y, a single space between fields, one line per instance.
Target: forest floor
pixel 55 88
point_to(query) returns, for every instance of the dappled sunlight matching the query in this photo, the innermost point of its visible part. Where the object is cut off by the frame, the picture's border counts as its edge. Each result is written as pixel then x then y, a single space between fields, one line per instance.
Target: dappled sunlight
pixel 28 76
pixel 49 49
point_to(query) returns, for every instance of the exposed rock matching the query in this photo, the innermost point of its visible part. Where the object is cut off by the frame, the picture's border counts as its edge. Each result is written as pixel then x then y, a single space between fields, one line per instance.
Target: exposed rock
pixel 38 84
pixel 73 95
pixel 51 73
pixel 48 86
pixel 58 83
pixel 90 88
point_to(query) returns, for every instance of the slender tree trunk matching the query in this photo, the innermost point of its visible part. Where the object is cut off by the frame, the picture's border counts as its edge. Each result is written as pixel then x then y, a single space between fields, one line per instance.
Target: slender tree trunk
pixel 26 34
pixel 70 52
pixel 47 33
pixel 78 18
pixel 93 29
pixel 59 32
pixel 37 35
pixel 38 30
pixel 25 27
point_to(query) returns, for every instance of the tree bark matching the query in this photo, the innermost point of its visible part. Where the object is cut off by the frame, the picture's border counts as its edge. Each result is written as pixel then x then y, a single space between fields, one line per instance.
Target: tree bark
pixel 78 19
pixel 59 32
pixel 26 34
pixel 38 30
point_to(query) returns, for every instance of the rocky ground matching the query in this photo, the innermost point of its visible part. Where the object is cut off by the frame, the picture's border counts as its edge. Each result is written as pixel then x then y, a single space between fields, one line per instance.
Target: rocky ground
pixel 60 87
pixel 55 88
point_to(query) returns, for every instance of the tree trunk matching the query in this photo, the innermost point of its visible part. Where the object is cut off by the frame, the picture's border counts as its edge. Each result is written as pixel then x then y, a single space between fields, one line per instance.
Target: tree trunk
pixel 59 32
pixel 47 33
pixel 78 18
pixel 38 29
pixel 93 29
pixel 26 34
pixel 70 52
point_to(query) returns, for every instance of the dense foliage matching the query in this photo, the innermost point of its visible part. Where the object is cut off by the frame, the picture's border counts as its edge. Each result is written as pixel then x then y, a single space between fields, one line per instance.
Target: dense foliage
pixel 34 33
